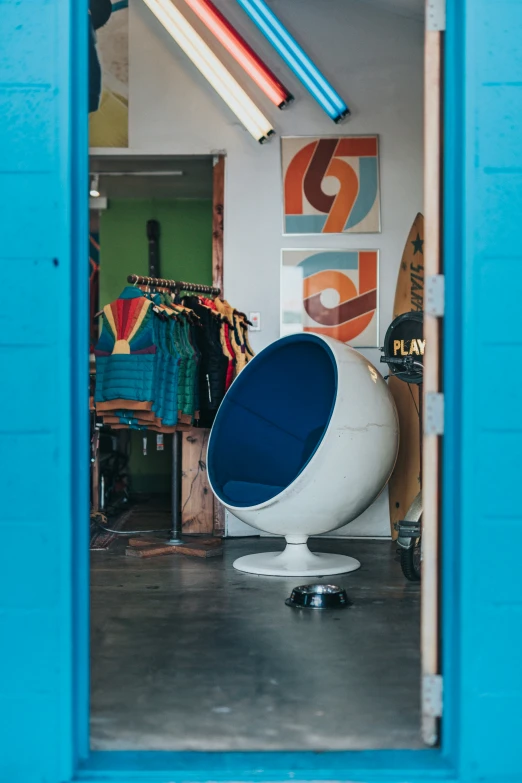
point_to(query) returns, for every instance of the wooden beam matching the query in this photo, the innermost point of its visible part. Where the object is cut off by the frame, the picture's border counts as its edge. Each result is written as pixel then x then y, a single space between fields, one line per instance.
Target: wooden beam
pixel 218 211
pixel 431 443
pixel 95 470
pixel 218 217
pixel 197 547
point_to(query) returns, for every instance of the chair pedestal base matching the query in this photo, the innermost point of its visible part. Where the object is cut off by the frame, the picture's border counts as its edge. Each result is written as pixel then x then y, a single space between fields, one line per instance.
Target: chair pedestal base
pixel 296 560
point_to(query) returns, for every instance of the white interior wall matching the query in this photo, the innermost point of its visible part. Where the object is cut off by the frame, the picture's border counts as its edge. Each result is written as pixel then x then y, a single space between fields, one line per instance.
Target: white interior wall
pixel 375 60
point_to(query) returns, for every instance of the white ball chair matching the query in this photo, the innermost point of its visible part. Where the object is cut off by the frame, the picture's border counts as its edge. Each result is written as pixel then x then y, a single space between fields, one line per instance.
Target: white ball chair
pixel 304 441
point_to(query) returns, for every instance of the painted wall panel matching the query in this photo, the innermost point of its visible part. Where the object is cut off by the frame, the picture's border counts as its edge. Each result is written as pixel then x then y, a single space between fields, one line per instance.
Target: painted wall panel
pixel 46 627
pixel 496 732
pixel 498 193
pixel 496 472
pixel 498 296
pixel 41 123
pixel 27 498
pixel 14 329
pixel 499 32
pixel 499 676
pixel 43 547
pixel 492 427
pixel 32 363
pixel 29 205
pixel 36 761
pixel 15 105
pixel 500 115
pixel 492 528
pixel 28 31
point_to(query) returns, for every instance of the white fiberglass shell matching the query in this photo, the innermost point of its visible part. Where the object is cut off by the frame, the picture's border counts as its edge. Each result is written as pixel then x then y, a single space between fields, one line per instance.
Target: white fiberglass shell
pixel 304 441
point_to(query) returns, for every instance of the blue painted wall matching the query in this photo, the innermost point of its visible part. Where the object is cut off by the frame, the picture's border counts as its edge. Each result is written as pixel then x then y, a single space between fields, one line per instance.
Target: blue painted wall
pixel 484 263
pixel 43 502
pixel 43 160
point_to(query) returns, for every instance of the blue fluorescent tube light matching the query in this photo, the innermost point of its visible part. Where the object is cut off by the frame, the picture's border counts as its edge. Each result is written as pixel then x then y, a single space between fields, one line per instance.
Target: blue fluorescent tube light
pixel 264 14
pixel 296 58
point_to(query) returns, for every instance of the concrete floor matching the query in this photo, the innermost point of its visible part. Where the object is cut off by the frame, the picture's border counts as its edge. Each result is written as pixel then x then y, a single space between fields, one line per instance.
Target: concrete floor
pixel 192 655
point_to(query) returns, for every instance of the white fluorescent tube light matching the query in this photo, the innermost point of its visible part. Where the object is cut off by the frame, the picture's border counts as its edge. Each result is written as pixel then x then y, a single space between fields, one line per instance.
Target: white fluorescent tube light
pixel 212 68
pixel 135 173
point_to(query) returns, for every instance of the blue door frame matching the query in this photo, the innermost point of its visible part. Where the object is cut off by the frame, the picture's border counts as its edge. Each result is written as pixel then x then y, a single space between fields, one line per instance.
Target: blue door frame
pixel 44 430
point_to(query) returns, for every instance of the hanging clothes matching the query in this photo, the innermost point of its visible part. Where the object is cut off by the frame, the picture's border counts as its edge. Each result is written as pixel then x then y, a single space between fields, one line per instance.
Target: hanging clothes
pixel 236 335
pixel 214 363
pixel 126 353
pixel 164 364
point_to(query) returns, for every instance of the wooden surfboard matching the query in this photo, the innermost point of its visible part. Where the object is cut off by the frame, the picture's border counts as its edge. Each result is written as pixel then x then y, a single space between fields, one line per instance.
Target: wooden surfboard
pixel 409 295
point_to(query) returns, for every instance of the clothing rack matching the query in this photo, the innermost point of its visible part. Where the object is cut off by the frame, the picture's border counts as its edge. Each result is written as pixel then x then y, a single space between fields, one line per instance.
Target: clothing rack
pixel 175 285
pixel 176 537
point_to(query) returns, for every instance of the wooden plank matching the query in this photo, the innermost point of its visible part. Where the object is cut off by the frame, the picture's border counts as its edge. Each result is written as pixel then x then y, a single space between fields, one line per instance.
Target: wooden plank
pixel 431 445
pixel 218 213
pixel 144 541
pixel 219 519
pixel 197 503
pixel 218 216
pixel 189 550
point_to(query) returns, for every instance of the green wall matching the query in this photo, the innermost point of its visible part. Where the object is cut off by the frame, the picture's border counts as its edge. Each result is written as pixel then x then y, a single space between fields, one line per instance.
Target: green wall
pixel 185 243
pixel 185 254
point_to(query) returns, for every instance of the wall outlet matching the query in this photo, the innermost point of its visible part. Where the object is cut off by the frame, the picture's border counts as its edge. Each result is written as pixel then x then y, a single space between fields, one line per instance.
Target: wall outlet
pixel 255 320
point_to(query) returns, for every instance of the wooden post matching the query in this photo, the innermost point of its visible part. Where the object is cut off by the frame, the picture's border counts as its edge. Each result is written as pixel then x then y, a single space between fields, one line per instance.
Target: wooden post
pixel 218 216
pixel 94 329
pixel 431 443
pixel 197 507
pixel 95 470
pixel 218 198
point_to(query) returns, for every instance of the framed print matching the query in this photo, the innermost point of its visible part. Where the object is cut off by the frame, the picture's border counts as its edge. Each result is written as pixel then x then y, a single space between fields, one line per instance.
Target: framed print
pixel 331 292
pixel 331 185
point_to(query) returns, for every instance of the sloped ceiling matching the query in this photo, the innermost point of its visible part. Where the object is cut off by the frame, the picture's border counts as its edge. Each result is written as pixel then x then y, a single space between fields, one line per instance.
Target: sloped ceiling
pixel 413 9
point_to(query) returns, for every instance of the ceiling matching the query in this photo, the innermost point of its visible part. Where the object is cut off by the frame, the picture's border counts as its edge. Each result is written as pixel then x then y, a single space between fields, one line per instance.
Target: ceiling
pixel 178 177
pixel 413 9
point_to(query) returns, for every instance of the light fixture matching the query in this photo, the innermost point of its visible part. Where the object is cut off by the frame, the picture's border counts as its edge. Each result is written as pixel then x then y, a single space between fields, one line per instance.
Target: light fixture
pixel 135 173
pixel 212 68
pixel 94 189
pixel 241 51
pixel 296 58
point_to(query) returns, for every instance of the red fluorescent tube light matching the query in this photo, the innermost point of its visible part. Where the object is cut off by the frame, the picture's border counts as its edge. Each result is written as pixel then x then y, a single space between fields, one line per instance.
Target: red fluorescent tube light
pixel 241 51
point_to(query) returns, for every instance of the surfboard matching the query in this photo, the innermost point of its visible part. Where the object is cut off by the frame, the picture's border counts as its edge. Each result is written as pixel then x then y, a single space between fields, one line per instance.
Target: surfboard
pixel 409 295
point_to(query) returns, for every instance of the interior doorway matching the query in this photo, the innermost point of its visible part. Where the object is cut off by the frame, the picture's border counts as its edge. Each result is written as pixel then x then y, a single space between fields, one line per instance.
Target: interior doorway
pixel 150 216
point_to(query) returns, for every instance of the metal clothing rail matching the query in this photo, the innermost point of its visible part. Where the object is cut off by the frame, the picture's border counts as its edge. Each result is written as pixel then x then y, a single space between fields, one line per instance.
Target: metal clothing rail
pixel 176 538
pixel 176 285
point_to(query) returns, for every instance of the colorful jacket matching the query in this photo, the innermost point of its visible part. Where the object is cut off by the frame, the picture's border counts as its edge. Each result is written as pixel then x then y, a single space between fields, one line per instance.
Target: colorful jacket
pixel 126 351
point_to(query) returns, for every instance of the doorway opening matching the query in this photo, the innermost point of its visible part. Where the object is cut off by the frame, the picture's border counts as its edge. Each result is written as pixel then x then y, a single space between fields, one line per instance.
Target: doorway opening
pixel 189 650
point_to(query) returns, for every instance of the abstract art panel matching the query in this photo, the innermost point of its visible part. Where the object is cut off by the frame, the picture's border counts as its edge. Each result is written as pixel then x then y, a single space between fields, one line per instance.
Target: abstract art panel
pixel 331 185
pixel 331 292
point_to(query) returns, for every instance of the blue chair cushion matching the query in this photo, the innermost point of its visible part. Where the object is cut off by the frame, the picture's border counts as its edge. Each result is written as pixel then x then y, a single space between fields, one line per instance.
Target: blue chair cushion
pixel 240 493
pixel 310 445
pixel 272 420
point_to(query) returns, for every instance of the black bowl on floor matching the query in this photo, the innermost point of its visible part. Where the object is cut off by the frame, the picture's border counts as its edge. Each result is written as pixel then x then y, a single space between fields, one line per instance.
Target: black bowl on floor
pixel 318 596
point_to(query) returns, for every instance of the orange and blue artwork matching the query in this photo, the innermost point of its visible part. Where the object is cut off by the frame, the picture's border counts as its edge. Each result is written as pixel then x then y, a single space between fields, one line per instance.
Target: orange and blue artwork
pixel 331 185
pixel 331 292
